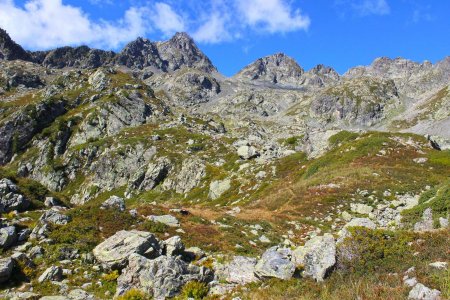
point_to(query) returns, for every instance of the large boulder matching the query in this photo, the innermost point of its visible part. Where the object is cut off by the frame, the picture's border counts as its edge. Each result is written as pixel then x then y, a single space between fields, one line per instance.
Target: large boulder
pixel 161 278
pixel 218 187
pixel 53 216
pixel 8 236
pixel 318 256
pixel 421 292
pixel 10 198
pixel 114 252
pixel 275 262
pixel 6 268
pixel 241 270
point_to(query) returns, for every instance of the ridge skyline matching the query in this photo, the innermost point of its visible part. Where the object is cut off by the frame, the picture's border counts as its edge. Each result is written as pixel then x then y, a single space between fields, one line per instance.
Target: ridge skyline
pixel 242 68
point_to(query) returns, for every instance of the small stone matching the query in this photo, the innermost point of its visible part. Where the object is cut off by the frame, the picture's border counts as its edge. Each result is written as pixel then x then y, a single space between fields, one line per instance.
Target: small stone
pixel 440 265
pixel 53 273
pixel 362 209
pixel 168 220
pixel 114 202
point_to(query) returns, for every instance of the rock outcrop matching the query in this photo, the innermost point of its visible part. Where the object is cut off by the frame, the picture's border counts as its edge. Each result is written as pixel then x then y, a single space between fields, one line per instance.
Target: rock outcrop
pixel 115 251
pixel 274 69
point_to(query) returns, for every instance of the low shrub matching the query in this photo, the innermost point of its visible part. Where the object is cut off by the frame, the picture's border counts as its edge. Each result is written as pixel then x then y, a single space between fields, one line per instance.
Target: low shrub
pixel 194 289
pixel 134 294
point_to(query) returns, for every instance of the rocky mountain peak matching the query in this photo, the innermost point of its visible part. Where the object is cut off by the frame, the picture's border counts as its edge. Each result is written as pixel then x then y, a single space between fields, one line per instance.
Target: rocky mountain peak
pixel 10 50
pixel 181 51
pixel 141 53
pixel 277 69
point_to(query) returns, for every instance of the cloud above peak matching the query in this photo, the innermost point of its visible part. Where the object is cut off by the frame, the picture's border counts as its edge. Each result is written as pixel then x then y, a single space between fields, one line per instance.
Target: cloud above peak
pixel 272 16
pixel 44 24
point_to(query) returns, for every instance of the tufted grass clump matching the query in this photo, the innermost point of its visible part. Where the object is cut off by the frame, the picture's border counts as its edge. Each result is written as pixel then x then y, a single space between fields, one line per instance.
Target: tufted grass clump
pixel 194 289
pixel 134 294
pixel 111 276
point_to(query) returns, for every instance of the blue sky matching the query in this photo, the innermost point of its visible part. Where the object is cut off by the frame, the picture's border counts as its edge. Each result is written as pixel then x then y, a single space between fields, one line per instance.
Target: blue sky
pixel 233 33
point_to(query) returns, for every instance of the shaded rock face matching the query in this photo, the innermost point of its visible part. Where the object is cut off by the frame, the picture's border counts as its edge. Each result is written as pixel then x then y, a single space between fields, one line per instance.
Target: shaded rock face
pixel 141 53
pixel 356 102
pixel 115 251
pixel 6 268
pixel 162 277
pixel 10 197
pixel 110 118
pixel 277 68
pixel 411 78
pixel 79 57
pixel 20 129
pixel 9 50
pixel 193 87
pixel 148 178
pixel 320 76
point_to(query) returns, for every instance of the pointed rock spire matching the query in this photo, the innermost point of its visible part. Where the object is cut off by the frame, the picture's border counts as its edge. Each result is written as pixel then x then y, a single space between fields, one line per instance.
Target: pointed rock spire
pixel 10 50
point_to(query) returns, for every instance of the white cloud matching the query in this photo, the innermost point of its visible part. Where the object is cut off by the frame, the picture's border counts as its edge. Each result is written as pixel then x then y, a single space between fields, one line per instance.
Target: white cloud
pixel 272 15
pixel 213 30
pixel 167 20
pixel 372 7
pixel 228 20
pixel 43 24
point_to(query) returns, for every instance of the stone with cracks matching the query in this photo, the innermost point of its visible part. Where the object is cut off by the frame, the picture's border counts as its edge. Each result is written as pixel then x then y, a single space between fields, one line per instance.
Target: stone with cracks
pixel 161 278
pixel 241 270
pixel 53 273
pixel 114 252
pixel 275 262
pixel 421 292
pixel 317 256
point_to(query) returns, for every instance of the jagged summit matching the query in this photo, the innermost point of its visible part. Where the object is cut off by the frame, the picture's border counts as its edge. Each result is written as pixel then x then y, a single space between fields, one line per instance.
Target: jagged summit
pixel 141 53
pixel 10 50
pixel 181 50
pixel 277 69
pixel 178 52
